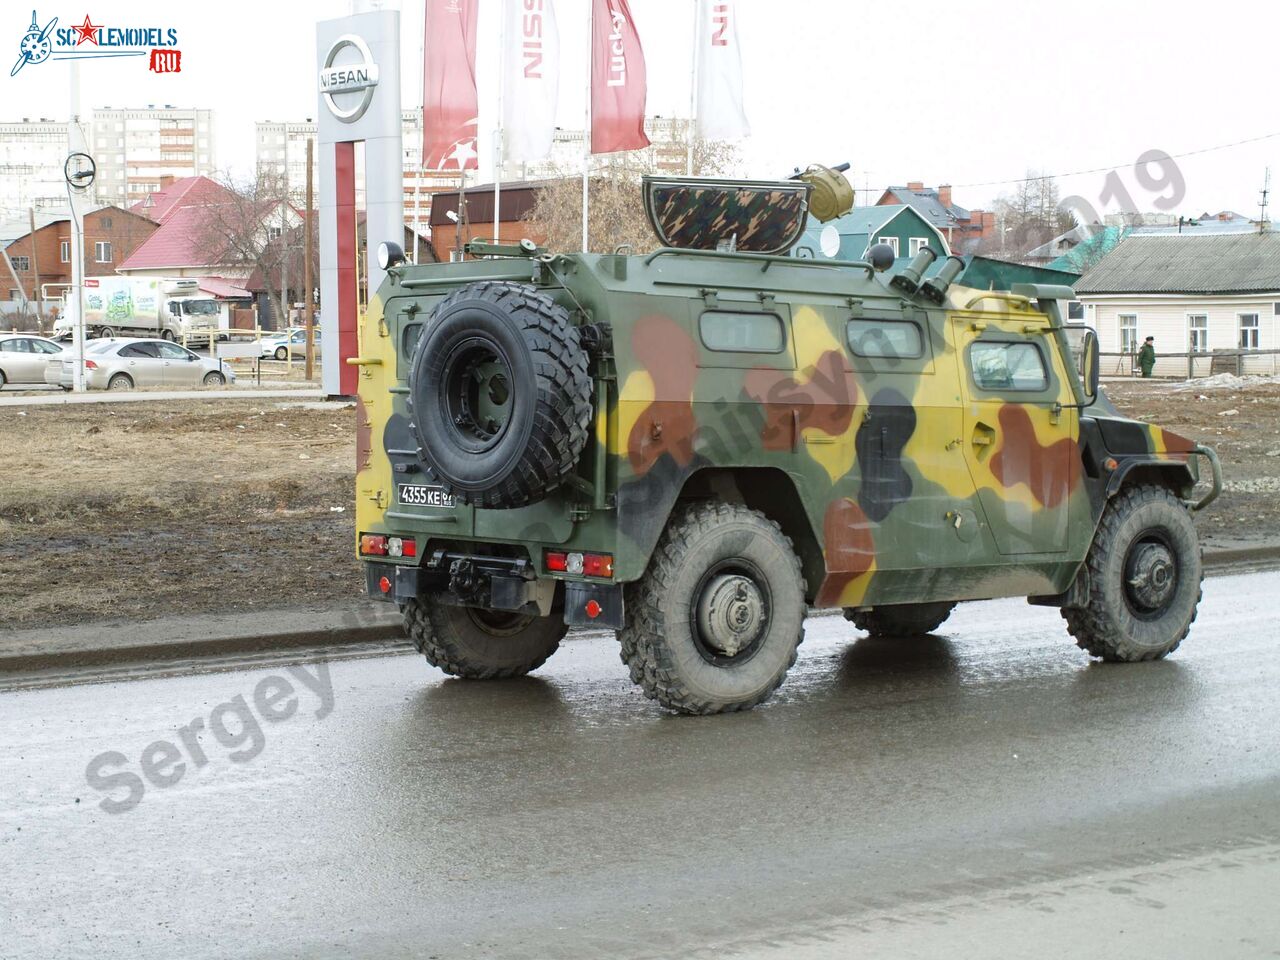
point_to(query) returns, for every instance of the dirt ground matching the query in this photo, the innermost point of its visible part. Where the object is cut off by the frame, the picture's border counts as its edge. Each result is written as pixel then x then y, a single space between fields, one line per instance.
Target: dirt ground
pixel 133 511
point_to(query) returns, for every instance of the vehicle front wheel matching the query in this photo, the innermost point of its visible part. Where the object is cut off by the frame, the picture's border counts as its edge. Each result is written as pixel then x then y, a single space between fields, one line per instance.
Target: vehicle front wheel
pixel 1144 573
pixel 714 623
pixel 480 644
pixel 3 380
pixel 901 620
pixel 120 381
pixel 214 379
pixel 170 336
pixel 282 353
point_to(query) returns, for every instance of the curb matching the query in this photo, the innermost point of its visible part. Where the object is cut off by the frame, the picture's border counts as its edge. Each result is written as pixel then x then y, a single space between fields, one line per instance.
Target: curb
pixel 375 626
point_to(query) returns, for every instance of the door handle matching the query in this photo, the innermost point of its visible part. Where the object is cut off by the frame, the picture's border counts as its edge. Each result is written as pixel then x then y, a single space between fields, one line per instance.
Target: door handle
pixel 984 437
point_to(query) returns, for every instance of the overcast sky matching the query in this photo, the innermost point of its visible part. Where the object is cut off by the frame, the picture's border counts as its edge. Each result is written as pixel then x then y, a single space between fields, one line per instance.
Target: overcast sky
pixel 968 92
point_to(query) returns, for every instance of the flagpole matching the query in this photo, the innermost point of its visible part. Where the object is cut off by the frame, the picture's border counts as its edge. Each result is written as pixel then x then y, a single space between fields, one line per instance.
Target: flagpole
pixel 693 90
pixel 497 138
pixel 586 129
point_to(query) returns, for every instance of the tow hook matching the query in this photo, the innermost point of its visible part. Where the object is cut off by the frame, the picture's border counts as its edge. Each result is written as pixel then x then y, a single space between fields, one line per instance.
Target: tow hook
pixel 465 581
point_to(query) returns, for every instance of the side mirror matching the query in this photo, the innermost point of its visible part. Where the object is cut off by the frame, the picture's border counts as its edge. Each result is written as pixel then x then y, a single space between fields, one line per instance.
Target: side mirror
pixel 1090 365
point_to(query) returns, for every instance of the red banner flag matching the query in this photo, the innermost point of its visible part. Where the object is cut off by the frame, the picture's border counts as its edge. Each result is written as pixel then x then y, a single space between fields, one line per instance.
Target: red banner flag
pixel 617 79
pixel 451 110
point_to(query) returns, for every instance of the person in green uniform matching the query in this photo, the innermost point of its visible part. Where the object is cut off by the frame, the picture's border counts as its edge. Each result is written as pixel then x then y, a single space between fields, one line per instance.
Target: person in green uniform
pixel 1147 356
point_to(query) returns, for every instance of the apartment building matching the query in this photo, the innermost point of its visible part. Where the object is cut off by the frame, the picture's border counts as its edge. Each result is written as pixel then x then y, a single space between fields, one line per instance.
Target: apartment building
pixel 31 157
pixel 135 147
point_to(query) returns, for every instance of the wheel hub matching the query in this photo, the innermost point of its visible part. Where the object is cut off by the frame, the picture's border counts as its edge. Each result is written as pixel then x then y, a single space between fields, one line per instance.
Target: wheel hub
pixel 1151 576
pixel 731 614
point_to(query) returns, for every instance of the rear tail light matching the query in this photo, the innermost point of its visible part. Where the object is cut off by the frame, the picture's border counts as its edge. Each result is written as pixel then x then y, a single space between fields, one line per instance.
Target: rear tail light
pixel 401 547
pixel 90 365
pixel 377 545
pixel 373 545
pixel 580 564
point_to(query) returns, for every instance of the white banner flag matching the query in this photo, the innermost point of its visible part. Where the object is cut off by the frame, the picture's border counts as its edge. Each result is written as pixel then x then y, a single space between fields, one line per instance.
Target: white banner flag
pixel 719 62
pixel 531 78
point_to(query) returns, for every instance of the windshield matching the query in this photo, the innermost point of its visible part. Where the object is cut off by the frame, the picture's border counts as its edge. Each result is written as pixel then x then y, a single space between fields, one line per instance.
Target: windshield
pixel 200 308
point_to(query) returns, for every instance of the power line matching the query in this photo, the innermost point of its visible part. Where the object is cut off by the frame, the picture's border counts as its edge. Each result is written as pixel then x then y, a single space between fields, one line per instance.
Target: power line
pixel 1116 166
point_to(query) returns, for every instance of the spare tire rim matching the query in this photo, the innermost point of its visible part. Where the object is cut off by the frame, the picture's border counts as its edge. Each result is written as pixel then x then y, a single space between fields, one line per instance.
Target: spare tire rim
pixel 1150 575
pixel 476 385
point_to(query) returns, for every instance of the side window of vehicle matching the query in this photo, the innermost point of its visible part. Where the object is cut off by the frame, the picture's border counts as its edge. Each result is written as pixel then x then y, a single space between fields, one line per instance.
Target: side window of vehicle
pixel 145 351
pixel 1008 365
pixel 885 339
pixel 20 345
pixel 731 332
pixel 171 351
pixel 42 346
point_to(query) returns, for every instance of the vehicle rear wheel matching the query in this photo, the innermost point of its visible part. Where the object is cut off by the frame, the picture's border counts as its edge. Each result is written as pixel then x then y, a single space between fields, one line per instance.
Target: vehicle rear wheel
pixel 901 620
pixel 214 379
pixel 1144 573
pixel 500 394
pixel 480 644
pixel 170 336
pixel 714 623
pixel 106 333
pixel 3 379
pixel 121 381
pixel 282 353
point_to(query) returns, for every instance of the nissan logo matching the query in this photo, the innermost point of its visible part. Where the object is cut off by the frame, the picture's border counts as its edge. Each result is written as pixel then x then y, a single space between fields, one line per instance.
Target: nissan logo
pixel 348 78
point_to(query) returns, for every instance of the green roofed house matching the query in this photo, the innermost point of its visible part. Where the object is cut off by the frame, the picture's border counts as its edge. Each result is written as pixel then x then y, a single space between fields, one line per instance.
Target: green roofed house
pixel 900 226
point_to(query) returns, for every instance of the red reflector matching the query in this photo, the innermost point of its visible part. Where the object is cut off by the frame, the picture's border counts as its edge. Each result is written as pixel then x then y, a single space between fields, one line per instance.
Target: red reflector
pixel 557 562
pixel 593 609
pixel 597 565
pixel 384 585
pixel 372 544
pixel 410 548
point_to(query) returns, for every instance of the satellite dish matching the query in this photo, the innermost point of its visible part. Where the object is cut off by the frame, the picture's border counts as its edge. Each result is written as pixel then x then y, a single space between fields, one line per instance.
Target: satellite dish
pixel 829 241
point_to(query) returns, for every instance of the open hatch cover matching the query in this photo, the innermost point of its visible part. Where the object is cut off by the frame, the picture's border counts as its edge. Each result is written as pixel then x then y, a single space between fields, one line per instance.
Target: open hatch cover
pixel 755 216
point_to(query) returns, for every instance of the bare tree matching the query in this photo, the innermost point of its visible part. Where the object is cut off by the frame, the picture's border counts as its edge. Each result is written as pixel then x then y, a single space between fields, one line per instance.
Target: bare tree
pixel 616 207
pixel 250 226
pixel 1030 214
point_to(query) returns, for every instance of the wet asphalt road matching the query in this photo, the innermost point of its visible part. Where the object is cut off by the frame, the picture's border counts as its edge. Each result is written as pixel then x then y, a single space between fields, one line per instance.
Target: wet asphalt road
pixel 986 792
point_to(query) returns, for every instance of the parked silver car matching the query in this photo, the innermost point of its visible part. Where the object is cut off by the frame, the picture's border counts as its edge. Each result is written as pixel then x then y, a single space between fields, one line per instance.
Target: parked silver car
pixel 24 357
pixel 118 363
pixel 280 345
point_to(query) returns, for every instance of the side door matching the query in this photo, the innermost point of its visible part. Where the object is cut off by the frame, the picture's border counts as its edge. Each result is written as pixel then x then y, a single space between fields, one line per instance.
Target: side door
pixel 142 363
pixel 21 364
pixel 1020 434
pixel 180 367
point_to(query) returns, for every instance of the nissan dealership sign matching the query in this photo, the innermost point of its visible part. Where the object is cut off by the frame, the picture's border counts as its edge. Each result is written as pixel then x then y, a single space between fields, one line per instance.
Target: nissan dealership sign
pixel 347 87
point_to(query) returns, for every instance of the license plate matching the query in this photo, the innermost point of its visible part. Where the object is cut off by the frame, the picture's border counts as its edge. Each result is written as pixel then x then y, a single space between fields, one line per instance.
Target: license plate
pixel 421 495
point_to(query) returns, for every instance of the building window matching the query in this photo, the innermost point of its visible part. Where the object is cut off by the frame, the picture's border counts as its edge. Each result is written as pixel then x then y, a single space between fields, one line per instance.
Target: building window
pixel 1128 333
pixel 102 251
pixel 916 244
pixel 65 251
pixel 104 223
pixel 1198 327
pixel 21 264
pixel 891 241
pixel 1248 331
pixel 273 233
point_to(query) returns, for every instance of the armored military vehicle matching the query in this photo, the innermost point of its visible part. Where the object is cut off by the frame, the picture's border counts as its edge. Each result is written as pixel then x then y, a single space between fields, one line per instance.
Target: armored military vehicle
pixel 695 446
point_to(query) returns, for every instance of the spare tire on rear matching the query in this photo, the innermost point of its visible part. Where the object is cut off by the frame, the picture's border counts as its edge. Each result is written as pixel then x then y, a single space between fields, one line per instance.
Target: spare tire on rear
pixel 500 393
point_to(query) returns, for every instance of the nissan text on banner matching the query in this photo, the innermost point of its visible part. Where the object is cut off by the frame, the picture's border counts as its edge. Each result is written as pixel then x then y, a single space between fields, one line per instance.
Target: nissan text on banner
pixel 451 111
pixel 531 81
pixel 618 85
pixel 719 62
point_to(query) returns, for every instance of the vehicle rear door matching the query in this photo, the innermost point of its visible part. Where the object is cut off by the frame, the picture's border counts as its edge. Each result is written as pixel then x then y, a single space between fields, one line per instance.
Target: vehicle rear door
pixel 20 362
pixel 141 361
pixel 180 366
pixel 1020 432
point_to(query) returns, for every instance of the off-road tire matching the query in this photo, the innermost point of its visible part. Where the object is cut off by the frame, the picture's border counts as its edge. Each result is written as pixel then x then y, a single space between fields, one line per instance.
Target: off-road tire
pixel 550 393
pixel 1107 625
pixel 455 640
pixel 659 644
pixel 120 381
pixel 214 379
pixel 901 621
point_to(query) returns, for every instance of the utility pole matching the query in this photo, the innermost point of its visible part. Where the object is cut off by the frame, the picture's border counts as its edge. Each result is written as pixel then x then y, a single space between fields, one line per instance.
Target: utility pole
pixel 1266 190
pixel 35 265
pixel 309 305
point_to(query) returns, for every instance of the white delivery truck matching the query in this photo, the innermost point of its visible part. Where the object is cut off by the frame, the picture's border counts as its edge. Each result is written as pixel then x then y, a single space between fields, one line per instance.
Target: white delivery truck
pixel 145 307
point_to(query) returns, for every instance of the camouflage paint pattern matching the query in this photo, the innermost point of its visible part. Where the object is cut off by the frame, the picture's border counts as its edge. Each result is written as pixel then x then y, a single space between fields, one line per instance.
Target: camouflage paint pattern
pixel 701 214
pixel 898 477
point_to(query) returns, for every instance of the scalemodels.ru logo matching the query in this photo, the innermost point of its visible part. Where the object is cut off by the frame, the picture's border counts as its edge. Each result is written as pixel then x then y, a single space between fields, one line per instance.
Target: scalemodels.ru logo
pixel 90 40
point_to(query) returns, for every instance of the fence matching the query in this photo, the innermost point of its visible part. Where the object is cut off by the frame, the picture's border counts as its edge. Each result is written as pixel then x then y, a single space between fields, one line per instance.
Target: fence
pixel 1192 364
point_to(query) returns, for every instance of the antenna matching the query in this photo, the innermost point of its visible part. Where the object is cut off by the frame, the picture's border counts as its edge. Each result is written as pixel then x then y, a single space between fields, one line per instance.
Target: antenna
pixel 1266 190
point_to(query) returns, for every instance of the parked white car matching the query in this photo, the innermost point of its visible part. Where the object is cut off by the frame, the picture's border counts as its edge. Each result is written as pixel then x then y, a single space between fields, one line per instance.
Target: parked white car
pixel 280 345
pixel 24 358
pixel 124 363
